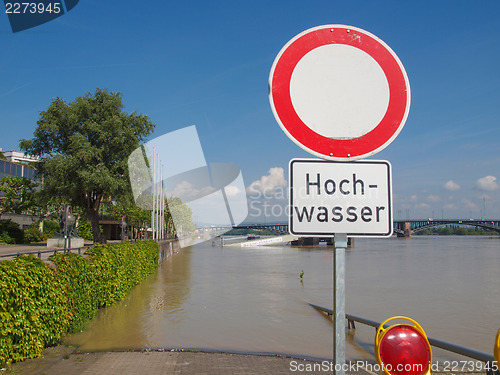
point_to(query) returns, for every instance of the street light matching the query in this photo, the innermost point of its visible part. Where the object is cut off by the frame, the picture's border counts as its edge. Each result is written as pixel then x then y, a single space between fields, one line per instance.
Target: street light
pixel 68 220
pixel 123 225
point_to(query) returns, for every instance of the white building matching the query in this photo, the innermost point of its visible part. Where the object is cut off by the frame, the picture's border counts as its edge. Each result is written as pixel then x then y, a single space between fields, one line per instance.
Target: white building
pixel 14 166
pixel 19 157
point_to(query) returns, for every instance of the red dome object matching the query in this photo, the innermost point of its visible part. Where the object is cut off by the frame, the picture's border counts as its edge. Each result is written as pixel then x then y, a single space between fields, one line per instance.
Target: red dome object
pixel 404 350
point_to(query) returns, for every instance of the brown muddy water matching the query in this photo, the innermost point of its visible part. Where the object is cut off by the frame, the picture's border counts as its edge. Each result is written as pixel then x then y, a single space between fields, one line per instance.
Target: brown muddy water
pixel 253 299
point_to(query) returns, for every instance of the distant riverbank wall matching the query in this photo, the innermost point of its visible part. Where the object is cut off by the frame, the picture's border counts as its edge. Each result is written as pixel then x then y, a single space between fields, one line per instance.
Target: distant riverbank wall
pixel 167 248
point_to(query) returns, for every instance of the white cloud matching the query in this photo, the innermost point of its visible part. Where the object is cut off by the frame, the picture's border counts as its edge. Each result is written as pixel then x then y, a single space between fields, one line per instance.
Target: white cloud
pixel 424 206
pixel 231 190
pixel 469 204
pixel 187 192
pixel 433 198
pixel 487 183
pixel 413 198
pixel 450 206
pixel 275 179
pixel 451 186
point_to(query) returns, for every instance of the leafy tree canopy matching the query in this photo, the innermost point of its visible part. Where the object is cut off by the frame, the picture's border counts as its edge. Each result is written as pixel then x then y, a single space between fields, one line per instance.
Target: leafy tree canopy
pixel 133 215
pixel 180 214
pixel 83 148
pixel 17 194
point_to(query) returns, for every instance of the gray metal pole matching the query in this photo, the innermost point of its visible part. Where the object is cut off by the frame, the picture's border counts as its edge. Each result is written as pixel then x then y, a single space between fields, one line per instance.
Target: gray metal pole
pixel 339 303
pixel 153 179
pixel 162 201
pixel 157 220
pixel 160 222
pixel 66 210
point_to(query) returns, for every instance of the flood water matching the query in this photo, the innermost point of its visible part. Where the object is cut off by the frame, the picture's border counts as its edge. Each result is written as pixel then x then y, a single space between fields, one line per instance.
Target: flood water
pixel 253 299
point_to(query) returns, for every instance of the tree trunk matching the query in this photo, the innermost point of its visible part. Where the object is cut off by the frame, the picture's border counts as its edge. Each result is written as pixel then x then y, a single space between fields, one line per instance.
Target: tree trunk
pixel 92 204
pixel 96 230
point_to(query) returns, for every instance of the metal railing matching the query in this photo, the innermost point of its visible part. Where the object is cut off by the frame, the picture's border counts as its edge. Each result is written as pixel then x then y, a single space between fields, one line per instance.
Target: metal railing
pixel 40 252
pixel 471 353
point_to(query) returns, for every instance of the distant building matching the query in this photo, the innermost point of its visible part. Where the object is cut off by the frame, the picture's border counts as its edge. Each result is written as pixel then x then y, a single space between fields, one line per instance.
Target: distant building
pixel 19 157
pixel 15 165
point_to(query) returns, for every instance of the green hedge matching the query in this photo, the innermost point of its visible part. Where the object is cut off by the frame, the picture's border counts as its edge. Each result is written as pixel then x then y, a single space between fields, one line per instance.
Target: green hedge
pixel 39 304
pixel 10 232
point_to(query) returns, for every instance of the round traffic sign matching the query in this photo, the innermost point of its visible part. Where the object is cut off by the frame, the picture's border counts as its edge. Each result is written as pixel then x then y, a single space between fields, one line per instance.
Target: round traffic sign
pixel 339 92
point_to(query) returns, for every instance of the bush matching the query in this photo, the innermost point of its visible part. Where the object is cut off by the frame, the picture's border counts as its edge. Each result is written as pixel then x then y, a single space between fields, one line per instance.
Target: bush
pixel 85 230
pixel 33 234
pixel 33 308
pixel 49 228
pixel 113 270
pixel 5 238
pixel 10 232
pixel 38 304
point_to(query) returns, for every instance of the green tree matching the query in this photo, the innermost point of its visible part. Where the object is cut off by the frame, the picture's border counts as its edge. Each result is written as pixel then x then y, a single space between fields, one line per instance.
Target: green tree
pixel 179 213
pixel 446 231
pixel 135 216
pixel 17 194
pixel 83 148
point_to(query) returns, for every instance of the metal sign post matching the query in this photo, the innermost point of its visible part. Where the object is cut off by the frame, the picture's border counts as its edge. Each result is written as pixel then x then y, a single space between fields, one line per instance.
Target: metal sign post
pixel 340 93
pixel 340 199
pixel 339 302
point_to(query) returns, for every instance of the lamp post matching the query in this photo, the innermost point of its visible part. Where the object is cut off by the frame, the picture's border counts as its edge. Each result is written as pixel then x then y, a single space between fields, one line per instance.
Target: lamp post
pixel 71 221
pixel 68 222
pixel 123 225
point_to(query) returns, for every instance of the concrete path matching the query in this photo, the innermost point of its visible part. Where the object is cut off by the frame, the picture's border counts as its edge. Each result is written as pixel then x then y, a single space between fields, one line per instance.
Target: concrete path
pixel 61 361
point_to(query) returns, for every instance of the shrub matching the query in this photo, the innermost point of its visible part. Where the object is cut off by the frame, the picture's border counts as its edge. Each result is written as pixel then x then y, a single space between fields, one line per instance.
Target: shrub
pixel 4 237
pixel 38 304
pixel 74 272
pixel 49 228
pixel 33 308
pixel 33 234
pixel 10 232
pixel 85 230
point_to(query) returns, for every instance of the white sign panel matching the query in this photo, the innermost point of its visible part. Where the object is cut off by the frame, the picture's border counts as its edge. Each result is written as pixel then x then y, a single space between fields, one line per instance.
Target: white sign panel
pixel 340 197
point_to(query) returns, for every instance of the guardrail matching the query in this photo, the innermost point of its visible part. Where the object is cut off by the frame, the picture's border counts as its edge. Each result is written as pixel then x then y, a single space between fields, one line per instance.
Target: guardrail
pixel 40 252
pixel 164 250
pixel 471 353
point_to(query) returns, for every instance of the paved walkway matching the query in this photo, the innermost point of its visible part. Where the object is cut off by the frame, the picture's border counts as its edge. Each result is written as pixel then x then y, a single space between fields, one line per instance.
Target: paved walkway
pixel 61 361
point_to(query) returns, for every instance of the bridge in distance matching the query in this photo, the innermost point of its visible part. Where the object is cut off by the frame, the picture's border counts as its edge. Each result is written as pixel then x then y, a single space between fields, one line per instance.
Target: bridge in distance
pixel 402 228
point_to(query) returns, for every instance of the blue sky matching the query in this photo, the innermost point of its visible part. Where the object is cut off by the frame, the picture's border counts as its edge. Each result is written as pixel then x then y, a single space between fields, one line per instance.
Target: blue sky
pixel 207 64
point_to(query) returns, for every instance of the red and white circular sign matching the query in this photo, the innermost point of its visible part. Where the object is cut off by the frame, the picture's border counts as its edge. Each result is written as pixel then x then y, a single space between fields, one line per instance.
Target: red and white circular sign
pixel 339 92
